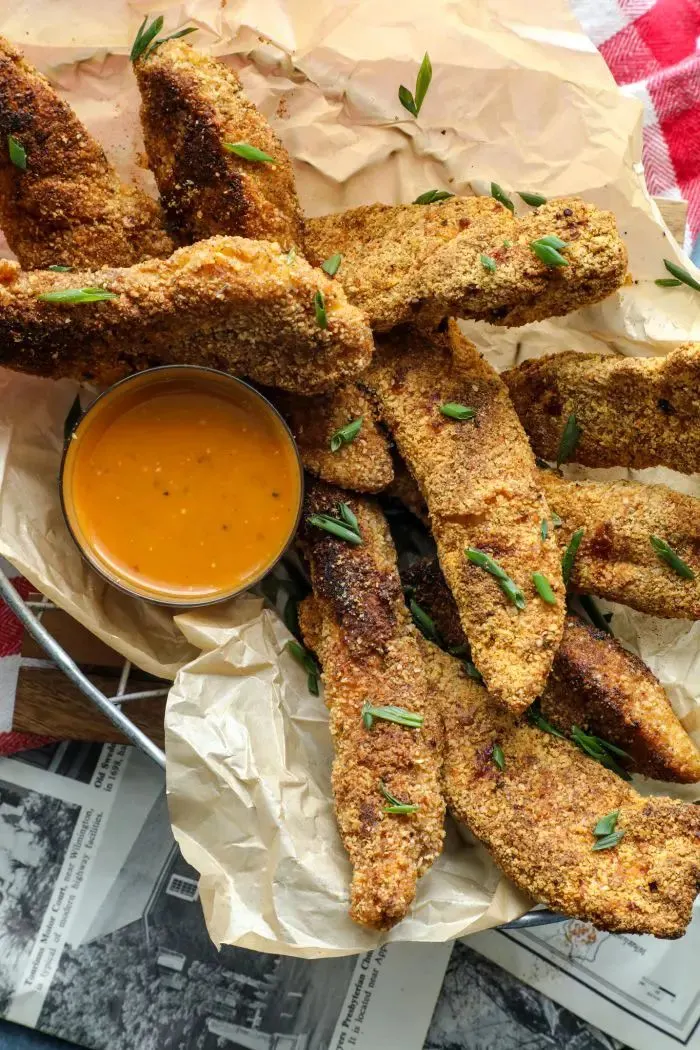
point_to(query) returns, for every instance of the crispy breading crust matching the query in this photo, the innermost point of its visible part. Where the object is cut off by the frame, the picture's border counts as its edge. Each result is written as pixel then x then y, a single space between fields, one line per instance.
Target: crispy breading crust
pixel 365 465
pixel 235 304
pixel 481 486
pixel 616 559
pixel 599 686
pixel 536 817
pixel 68 207
pixel 421 263
pixel 595 684
pixel 358 625
pixel 190 106
pixel 632 411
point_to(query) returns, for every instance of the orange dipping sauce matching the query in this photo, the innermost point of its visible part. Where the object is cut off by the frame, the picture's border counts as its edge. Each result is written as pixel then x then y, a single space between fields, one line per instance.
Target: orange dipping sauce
pixel 182 485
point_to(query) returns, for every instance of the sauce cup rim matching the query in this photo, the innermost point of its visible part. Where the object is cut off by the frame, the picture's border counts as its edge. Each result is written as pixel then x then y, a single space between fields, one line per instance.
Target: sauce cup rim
pixel 175 603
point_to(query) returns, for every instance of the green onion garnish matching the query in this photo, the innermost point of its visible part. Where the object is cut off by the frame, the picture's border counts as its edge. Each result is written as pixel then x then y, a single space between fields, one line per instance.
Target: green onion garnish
pixel 248 152
pixel 533 199
pixel 395 804
pixel 78 295
pixel 501 196
pixel 433 196
pixel 681 274
pixel 569 439
pixel 455 411
pixel 488 263
pixel 548 254
pixel 498 757
pixel 486 562
pixel 412 102
pixel 399 715
pixel 667 554
pixel 320 309
pixel 544 588
pixel 347 434
pixel 332 264
pixel 17 152
pixel 567 562
pixel 344 527
pixel 306 660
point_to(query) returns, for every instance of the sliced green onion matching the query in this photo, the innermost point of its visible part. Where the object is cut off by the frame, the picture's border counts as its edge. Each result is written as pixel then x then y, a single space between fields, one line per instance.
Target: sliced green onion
pixel 346 435
pixel 17 152
pixel 667 554
pixel 78 295
pixel 433 196
pixel 681 274
pixel 544 588
pixel 490 565
pixel 488 263
pixel 606 824
pixel 399 715
pixel 567 562
pixel 533 199
pixel 320 309
pixel 455 411
pixel 498 757
pixel 547 254
pixel 248 152
pixel 332 264
pixel 395 804
pixel 609 842
pixel 501 196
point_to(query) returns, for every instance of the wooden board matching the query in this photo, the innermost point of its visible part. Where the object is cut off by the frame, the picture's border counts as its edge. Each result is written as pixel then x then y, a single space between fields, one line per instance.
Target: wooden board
pixel 49 704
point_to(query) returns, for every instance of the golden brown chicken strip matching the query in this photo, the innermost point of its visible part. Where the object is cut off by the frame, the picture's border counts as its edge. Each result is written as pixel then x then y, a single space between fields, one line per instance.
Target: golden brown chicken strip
pixel 191 106
pixel 595 684
pixel 358 625
pixel 537 815
pixel 363 464
pixel 602 688
pixel 632 411
pixel 616 559
pixel 469 257
pixel 235 304
pixel 479 480
pixel 68 206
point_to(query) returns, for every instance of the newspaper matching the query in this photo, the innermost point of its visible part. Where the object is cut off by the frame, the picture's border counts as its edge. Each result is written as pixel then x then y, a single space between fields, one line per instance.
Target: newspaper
pixel 642 991
pixel 103 941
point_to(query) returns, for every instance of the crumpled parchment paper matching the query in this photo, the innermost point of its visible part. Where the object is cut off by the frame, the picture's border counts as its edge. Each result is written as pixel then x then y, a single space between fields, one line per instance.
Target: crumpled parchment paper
pixel 518 96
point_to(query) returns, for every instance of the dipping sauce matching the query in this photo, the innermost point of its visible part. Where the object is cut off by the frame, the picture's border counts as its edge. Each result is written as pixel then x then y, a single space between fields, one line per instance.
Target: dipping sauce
pixel 182 485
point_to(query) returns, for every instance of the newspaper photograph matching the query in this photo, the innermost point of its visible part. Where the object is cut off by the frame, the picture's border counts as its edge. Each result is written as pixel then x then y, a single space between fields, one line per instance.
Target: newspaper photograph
pixel 103 942
pixel 642 991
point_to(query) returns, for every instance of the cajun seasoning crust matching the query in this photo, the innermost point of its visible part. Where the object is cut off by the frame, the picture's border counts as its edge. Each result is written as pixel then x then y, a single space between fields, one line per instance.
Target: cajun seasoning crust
pixel 421 263
pixel 68 207
pixel 632 411
pixel 602 688
pixel 235 304
pixel 536 817
pixel 481 486
pixel 365 464
pixel 358 626
pixel 191 105
pixel 616 560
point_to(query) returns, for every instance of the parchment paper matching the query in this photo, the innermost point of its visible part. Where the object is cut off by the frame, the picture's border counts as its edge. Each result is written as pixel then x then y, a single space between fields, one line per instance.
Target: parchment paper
pixel 518 96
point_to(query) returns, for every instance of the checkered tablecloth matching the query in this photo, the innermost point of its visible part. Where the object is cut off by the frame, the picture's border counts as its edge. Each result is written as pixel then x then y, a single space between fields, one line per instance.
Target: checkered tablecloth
pixel 653 50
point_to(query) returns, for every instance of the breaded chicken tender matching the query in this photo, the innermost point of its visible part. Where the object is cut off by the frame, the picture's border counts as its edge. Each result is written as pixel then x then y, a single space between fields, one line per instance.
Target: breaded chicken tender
pixel 616 559
pixel 479 480
pixel 632 411
pixel 537 815
pixel 595 684
pixel 413 263
pixel 231 303
pixel 68 206
pixel 604 689
pixel 364 464
pixel 357 624
pixel 191 106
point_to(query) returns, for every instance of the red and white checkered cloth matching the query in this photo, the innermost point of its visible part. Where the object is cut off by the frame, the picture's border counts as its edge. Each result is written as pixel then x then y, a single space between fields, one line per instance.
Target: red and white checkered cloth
pixel 653 50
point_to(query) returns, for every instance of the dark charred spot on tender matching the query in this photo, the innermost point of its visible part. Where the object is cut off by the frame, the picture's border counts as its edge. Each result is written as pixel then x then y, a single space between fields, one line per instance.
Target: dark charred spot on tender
pixel 369 817
pixel 601 543
pixel 666 406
